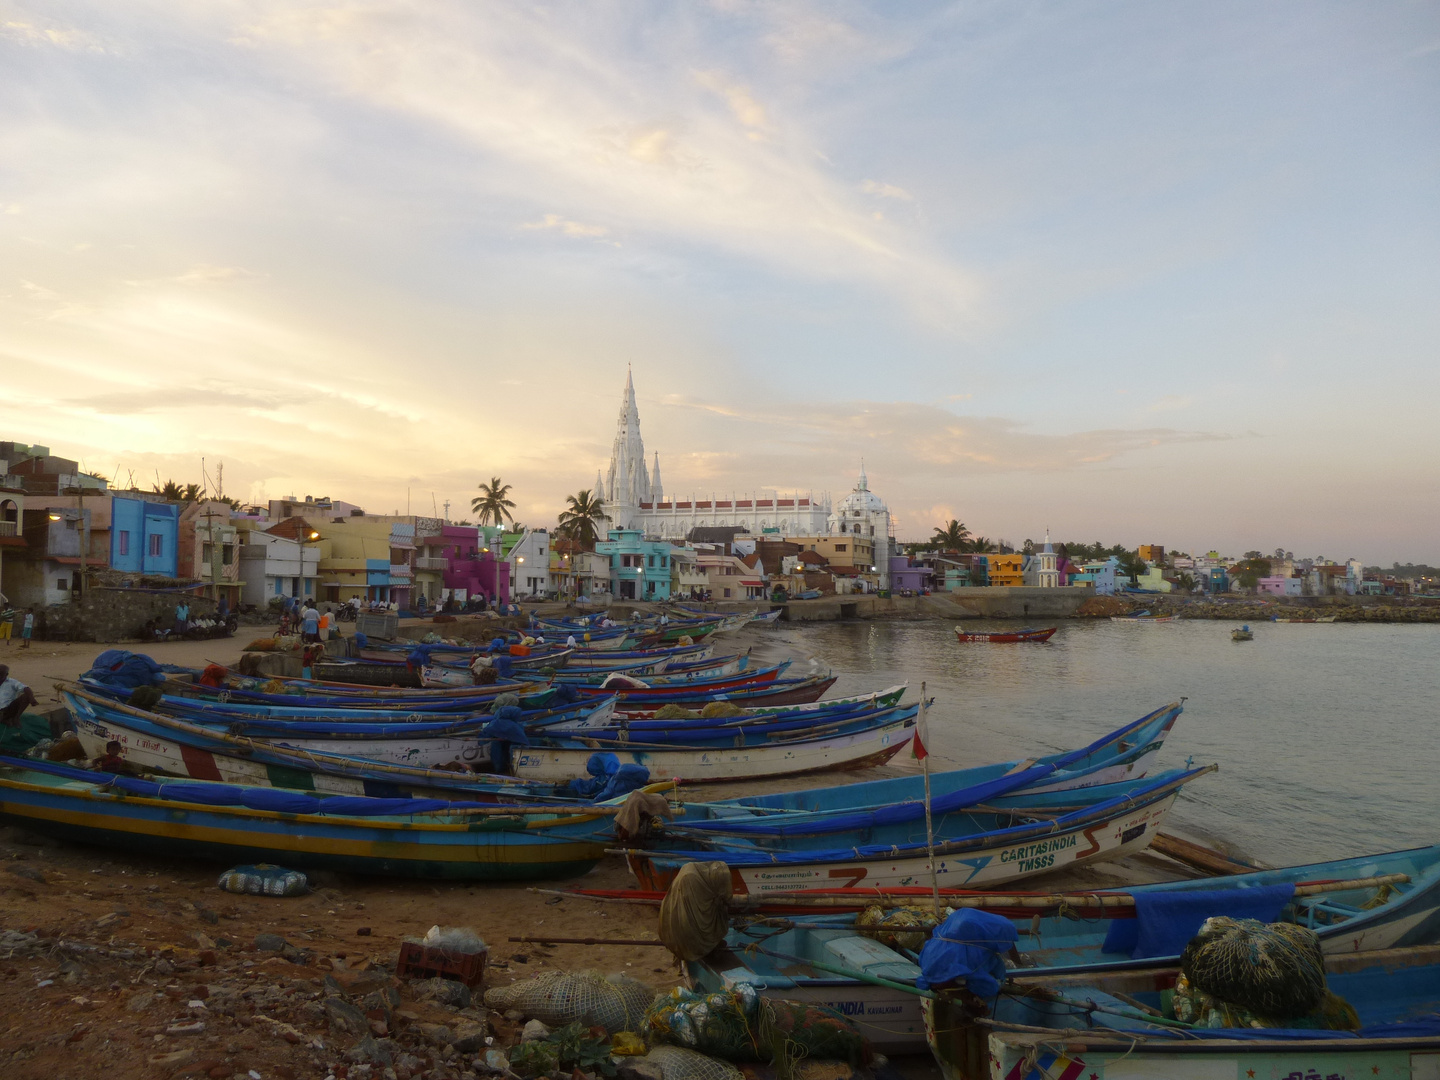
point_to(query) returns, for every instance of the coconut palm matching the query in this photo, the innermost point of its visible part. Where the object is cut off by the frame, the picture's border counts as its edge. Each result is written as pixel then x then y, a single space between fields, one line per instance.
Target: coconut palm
pixel 491 504
pixel 170 491
pixel 580 519
pixel 952 537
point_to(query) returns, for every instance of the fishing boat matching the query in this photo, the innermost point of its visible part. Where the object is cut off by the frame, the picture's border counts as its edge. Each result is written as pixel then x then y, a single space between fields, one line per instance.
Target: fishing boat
pixel 1242 633
pixel 767 618
pixel 1142 618
pixel 1116 1025
pixel 859 742
pixel 1126 753
pixel 225 823
pixel 1009 839
pixel 1364 904
pixel 786 691
pixel 1006 637
pixel 748 708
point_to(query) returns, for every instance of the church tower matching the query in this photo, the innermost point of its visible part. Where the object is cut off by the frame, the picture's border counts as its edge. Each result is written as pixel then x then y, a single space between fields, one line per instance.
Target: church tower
pixel 628 482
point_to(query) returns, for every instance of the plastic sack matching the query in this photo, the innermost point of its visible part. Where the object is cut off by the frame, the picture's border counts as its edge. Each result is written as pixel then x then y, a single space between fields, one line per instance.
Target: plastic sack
pixel 454 939
pixel 264 879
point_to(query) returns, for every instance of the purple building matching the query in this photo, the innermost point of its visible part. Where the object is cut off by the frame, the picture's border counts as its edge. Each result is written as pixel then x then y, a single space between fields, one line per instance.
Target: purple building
pixel 903 576
pixel 473 563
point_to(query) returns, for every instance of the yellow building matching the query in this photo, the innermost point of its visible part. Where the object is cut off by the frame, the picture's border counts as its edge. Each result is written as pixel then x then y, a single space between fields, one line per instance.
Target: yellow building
pixel 1152 553
pixel 850 551
pixel 367 558
pixel 1006 569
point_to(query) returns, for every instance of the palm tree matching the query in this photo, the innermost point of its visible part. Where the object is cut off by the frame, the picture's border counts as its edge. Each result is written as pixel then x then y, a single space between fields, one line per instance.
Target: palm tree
pixel 982 544
pixel 491 504
pixel 170 491
pixel 952 537
pixel 581 516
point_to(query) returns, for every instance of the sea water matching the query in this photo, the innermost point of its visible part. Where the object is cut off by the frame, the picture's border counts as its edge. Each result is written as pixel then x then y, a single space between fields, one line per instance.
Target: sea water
pixel 1325 734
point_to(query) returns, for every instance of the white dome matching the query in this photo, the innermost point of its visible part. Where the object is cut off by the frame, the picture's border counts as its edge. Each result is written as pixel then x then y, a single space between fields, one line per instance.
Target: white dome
pixel 861 500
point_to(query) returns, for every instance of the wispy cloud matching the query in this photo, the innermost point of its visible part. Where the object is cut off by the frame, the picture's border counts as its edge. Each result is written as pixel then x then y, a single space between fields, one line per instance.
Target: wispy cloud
pixel 569 228
pixel 886 191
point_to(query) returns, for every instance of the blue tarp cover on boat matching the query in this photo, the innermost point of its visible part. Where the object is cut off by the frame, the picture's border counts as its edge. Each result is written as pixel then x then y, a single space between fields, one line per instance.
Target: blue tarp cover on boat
pixel 124 670
pixel 1165 921
pixel 969 945
pixel 608 779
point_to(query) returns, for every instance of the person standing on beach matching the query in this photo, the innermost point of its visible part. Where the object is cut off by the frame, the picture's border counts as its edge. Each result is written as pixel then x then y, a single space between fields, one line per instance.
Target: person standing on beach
pixel 310 625
pixel 27 628
pixel 7 622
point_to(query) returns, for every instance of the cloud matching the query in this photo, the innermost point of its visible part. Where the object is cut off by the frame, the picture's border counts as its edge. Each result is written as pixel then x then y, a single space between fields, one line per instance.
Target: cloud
pixel 1171 403
pixel 569 228
pixel 886 191
pixel 747 110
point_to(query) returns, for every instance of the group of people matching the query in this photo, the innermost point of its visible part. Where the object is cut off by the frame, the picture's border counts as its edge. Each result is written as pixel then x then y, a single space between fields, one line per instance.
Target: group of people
pixel 312 624
pixel 9 617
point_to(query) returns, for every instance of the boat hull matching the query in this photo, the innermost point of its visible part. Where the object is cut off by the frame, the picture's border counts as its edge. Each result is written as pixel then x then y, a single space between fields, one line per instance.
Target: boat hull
pixel 978 866
pixel 852 750
pixel 1006 637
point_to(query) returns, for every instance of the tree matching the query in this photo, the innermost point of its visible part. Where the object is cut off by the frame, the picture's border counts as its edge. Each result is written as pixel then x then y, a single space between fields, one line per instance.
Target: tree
pixel 1186 582
pixel 952 537
pixel 982 544
pixel 1132 566
pixel 581 517
pixel 170 491
pixel 1028 547
pixel 491 504
pixel 1249 572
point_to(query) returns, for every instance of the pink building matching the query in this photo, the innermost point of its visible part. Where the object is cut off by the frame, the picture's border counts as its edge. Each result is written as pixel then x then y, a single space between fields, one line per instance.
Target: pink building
pixel 1279 586
pixel 472 563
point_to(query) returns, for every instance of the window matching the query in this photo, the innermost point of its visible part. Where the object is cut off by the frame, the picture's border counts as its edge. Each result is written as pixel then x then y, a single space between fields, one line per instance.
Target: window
pixel 227 553
pixel 123 542
pixel 207 549
pixel 62 583
pixel 727 593
pixel 839 547
pixel 157 546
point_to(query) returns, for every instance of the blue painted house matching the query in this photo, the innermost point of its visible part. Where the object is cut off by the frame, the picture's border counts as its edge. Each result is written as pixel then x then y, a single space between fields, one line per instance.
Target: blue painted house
pixel 639 568
pixel 144 536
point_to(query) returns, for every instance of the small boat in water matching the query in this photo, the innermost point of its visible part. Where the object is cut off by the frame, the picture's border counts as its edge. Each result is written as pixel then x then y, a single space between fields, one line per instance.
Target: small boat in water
pixel 1142 618
pixel 1006 637
pixel 1242 633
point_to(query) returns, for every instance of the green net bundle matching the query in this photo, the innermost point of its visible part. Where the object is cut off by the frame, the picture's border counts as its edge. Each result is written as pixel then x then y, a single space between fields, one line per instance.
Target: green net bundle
pixel 614 1002
pixel 720 710
pixel 675 712
pixel 1274 971
pixel 739 1025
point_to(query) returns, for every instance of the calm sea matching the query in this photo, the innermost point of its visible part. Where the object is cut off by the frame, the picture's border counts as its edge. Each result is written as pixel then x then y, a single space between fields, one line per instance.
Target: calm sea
pixel 1326 735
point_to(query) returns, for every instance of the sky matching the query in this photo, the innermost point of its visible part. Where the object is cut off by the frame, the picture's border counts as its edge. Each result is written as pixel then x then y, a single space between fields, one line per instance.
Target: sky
pixel 1131 272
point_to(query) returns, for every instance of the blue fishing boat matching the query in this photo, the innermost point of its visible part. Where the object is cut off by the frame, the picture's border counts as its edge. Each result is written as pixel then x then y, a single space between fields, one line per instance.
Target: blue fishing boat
pixel 1118 1025
pixel 1009 838
pixel 1365 904
pixel 225 823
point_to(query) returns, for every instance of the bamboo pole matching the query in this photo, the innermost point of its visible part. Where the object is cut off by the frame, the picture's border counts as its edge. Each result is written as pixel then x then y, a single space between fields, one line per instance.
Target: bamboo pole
pixel 585 941
pixel 921 730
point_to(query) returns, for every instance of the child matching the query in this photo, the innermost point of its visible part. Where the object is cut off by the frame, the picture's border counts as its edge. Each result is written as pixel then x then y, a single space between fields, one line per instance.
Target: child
pixel 27 628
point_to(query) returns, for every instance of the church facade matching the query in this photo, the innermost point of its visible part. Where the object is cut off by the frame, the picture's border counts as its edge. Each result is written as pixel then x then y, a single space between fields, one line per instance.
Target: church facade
pixel 635 499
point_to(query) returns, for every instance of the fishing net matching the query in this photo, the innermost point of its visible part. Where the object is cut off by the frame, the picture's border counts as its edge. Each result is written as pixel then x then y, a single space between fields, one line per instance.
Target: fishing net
pixel 739 1025
pixel 675 712
pixel 1204 1010
pixel 719 710
pixel 678 1063
pixel 695 914
pixel 505 700
pixel 870 922
pixel 1274 970
pixel 616 1002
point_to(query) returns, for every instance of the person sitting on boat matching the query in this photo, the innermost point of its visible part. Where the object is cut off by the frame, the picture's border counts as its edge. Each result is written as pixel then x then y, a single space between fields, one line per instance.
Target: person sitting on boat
pixel 570 641
pixel 15 698
pixel 112 761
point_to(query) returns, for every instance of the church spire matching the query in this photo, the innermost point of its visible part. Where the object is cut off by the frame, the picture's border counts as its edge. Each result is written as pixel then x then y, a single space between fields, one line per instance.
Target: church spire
pixel 864 484
pixel 657 492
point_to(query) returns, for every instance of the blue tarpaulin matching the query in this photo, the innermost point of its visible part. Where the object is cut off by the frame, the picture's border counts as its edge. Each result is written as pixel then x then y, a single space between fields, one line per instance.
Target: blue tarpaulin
pixel 124 670
pixel 1166 920
pixel 969 945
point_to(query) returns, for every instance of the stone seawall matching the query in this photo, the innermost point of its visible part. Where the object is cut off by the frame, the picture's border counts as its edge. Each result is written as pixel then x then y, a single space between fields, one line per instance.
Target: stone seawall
pixel 1021 602
pixel 111 615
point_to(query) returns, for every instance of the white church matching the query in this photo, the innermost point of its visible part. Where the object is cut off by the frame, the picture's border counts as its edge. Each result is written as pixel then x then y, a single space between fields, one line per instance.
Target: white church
pixel 635 499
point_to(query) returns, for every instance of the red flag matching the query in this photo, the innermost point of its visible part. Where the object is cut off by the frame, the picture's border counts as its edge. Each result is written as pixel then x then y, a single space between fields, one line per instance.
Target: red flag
pixel 919 747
